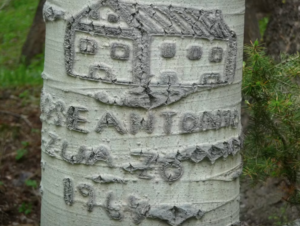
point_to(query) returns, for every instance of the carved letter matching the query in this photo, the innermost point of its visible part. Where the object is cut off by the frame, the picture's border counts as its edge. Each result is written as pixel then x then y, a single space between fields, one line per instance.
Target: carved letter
pixel 59 111
pixel 137 123
pixel 74 159
pixel 168 121
pixel 189 123
pixel 226 118
pixel 90 155
pixel 109 120
pixel 211 121
pixel 235 119
pixel 49 145
pixel 73 119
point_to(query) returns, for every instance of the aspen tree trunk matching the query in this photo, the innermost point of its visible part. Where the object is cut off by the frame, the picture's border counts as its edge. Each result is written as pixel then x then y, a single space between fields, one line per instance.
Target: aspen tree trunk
pixel 141 112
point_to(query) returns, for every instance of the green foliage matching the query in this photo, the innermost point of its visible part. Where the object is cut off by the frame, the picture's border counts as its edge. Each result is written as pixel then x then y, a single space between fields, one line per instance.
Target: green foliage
pixel 25 208
pixel 1 183
pixel 271 92
pixel 31 183
pixel 263 23
pixel 21 75
pixel 15 21
pixel 279 219
pixel 23 151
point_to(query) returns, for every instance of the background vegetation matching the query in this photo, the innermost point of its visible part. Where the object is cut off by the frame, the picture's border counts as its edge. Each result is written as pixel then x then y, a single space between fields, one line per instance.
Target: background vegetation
pixel 15 20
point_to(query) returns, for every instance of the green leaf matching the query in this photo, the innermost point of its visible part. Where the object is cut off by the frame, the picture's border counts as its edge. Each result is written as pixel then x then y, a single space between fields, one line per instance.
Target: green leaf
pixel 31 183
pixel 25 208
pixel 21 153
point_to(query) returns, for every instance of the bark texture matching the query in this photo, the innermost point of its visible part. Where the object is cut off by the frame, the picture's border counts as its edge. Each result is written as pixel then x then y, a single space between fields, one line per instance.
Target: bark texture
pixel 252 32
pixel 35 41
pixel 282 34
pixel 141 113
pixel 263 6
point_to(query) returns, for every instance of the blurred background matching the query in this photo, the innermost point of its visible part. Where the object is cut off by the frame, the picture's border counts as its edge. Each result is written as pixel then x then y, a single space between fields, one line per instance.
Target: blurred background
pixel 270 184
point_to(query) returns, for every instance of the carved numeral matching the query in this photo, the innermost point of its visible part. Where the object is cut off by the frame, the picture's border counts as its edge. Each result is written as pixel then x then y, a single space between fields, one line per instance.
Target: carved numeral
pixel 142 169
pixel 113 212
pixel 88 191
pixel 68 191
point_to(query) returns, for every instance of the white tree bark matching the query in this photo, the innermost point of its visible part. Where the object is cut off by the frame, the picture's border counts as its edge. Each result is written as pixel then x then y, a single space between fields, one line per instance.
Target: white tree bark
pixel 141 112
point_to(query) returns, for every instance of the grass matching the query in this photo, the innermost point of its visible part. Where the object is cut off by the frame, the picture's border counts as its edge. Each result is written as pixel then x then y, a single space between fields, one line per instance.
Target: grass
pixel 15 20
pixel 21 75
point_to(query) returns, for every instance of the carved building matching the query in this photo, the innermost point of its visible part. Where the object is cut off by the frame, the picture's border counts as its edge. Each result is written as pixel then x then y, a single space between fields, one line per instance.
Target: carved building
pixel 133 44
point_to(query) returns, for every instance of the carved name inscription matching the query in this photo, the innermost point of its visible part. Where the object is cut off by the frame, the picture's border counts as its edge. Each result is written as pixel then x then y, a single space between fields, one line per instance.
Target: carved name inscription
pixel 169 165
pixel 55 112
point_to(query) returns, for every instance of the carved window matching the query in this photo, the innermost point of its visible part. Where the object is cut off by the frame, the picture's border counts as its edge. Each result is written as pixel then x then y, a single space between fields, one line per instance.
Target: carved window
pixel 194 53
pixel 216 55
pixel 120 51
pixel 112 18
pixel 88 46
pixel 168 78
pixel 168 50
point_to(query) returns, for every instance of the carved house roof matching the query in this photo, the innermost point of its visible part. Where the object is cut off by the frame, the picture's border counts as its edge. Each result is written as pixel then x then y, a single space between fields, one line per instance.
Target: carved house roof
pixel 166 19
pixel 178 21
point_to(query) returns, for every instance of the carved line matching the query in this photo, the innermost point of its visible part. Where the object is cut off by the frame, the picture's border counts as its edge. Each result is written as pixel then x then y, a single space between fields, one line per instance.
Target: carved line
pixel 175 215
pixel 106 179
